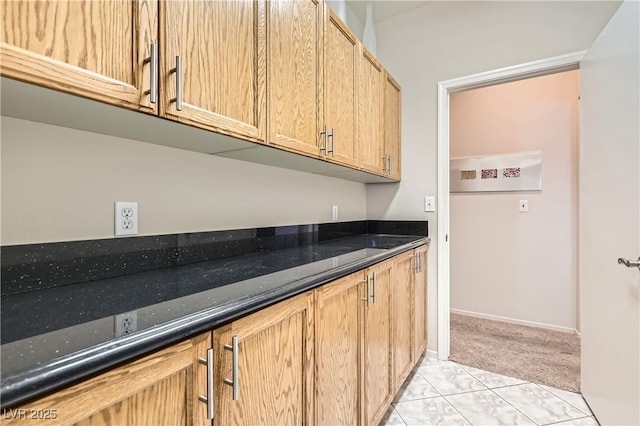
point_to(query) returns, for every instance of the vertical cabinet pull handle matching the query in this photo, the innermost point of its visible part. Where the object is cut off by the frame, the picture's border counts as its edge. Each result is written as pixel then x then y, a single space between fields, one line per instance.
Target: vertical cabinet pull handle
pixel 333 142
pixel 325 141
pixel 366 299
pixel 153 62
pixel 416 257
pixel 419 261
pixel 374 288
pixel 208 399
pixel 178 71
pixel 389 163
pixel 233 347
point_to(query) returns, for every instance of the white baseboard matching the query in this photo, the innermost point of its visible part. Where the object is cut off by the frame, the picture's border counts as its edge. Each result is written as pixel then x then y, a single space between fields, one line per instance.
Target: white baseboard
pixel 516 321
pixel 432 354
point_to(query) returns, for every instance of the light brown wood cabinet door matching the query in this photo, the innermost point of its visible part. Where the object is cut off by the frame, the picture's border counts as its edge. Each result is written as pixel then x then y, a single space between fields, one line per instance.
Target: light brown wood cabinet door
pixel 159 389
pixel 92 48
pixel 420 291
pixel 274 355
pixel 221 45
pixel 403 317
pixel 377 351
pixel 370 114
pixel 337 351
pixel 340 91
pixel 294 74
pixel 392 124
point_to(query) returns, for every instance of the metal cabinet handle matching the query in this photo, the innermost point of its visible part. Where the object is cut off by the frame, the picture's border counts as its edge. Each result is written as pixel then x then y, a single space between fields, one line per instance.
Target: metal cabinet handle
pixel 374 287
pixel 208 399
pixel 415 257
pixel 389 163
pixel 333 142
pixel 178 71
pixel 325 142
pixel 419 261
pixel 366 299
pixel 153 61
pixel 629 263
pixel 233 347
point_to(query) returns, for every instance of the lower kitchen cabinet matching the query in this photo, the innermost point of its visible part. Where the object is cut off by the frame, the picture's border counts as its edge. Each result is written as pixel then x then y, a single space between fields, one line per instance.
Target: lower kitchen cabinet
pixel 158 389
pixel 264 366
pixel 339 307
pixel 377 354
pixel 403 317
pixel 420 302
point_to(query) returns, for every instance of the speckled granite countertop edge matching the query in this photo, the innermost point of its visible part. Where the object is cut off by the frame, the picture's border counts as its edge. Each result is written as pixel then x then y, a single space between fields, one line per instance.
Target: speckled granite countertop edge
pixel 82 364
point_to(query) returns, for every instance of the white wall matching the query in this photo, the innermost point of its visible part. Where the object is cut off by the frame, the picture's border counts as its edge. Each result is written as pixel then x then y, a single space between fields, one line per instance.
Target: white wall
pixel 445 40
pixel 520 266
pixel 352 20
pixel 59 184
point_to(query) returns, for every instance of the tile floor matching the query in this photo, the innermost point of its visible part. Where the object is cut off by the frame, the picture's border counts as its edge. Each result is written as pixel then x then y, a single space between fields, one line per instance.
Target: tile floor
pixel 447 393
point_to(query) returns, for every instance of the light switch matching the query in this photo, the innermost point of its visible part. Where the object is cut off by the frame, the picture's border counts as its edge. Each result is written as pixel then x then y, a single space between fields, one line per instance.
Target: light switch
pixel 524 206
pixel 429 204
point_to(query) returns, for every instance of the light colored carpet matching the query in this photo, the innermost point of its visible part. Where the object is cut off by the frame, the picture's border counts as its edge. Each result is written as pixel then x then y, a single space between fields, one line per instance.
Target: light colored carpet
pixel 534 354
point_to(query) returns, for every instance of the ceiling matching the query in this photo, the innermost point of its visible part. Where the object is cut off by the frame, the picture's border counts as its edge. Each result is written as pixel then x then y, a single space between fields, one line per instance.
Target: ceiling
pixel 383 9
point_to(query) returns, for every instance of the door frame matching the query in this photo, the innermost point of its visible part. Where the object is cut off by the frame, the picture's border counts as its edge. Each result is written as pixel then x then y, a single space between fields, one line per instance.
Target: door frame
pixel 570 61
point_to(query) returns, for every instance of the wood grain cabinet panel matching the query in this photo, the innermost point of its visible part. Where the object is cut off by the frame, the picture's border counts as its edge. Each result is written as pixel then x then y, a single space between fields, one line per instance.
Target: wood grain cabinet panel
pixel 92 48
pixel 222 48
pixel 370 114
pixel 159 389
pixel 337 351
pixel 403 317
pixel 275 366
pixel 377 351
pixel 420 293
pixel 294 74
pixel 340 91
pixel 392 127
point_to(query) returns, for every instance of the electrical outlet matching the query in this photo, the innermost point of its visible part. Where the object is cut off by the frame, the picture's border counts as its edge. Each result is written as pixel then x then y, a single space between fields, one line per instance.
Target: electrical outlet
pixel 334 213
pixel 125 323
pixel 524 206
pixel 126 218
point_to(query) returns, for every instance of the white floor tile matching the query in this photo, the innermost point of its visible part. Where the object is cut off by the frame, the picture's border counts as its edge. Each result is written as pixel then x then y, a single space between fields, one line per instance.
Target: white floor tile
pixel 492 380
pixel 539 405
pixel 572 398
pixel 432 411
pixel 427 360
pixel 392 418
pixel 486 408
pixel 449 378
pixel 585 421
pixel 416 388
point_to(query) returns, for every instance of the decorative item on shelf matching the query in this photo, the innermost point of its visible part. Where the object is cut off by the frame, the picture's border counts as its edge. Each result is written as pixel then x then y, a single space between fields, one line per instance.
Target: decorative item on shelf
pixel 369 34
pixel 507 172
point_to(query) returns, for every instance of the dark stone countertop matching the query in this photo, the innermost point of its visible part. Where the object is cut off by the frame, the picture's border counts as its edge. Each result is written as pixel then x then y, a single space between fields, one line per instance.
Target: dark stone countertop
pixel 54 336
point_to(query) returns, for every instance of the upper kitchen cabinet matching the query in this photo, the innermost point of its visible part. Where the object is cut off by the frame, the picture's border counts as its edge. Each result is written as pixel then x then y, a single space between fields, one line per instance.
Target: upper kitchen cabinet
pixel 213 65
pixel 99 49
pixel 340 91
pixel 370 114
pixel 294 74
pixel 392 127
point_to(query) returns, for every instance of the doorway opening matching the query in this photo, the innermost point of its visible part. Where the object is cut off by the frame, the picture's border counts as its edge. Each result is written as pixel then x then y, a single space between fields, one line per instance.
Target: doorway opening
pixel 483 205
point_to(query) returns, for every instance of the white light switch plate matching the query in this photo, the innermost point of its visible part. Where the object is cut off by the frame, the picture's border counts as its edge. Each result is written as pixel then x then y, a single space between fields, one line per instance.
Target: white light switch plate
pixel 524 206
pixel 429 204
